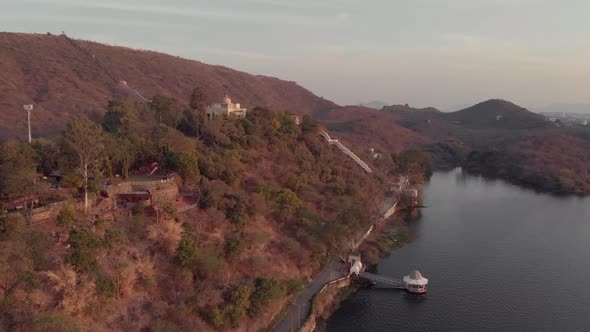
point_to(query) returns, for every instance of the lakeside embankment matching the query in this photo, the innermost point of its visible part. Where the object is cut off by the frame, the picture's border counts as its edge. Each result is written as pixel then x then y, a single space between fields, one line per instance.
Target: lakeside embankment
pixel 383 236
pixel 334 270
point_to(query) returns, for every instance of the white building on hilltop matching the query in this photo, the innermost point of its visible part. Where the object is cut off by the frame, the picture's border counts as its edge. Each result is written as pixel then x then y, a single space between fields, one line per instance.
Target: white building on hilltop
pixel 226 109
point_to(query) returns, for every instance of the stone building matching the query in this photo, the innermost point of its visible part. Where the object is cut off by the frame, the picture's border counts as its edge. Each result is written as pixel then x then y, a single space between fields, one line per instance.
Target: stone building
pixel 226 109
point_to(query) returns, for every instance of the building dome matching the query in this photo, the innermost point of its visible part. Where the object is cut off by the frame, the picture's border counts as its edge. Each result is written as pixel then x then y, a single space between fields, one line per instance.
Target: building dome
pixel 416 275
pixel 226 100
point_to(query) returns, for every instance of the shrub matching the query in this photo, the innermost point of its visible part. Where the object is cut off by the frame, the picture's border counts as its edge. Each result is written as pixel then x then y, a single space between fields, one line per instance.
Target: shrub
pixel 66 217
pixel 293 286
pixel 83 238
pixel 216 317
pixel 100 223
pixel 55 322
pixel 83 260
pixel 114 237
pixel 295 182
pixel 290 244
pixel 288 202
pixel 234 247
pixel 235 315
pixel 106 287
pixel 240 296
pixel 209 263
pixel 236 211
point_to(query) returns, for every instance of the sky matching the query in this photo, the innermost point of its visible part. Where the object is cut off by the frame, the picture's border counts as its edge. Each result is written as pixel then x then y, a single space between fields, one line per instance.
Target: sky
pixel 442 53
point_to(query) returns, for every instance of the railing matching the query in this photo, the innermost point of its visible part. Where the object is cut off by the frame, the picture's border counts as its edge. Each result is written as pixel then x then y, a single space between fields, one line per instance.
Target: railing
pixel 347 152
pixel 382 280
pixel 105 70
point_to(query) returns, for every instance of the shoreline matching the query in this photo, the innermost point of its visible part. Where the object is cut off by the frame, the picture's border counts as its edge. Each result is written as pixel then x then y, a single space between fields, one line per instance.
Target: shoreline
pixel 387 235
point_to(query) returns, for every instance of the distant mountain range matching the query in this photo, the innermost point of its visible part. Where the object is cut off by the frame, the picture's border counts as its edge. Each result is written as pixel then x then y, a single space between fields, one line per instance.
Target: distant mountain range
pixel 565 108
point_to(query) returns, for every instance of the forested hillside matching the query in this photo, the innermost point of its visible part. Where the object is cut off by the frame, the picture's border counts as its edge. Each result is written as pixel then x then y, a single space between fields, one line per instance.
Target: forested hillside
pixel 275 199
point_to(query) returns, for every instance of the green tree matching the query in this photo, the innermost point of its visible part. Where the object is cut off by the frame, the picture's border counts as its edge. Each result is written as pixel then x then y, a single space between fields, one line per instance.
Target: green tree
pixel 112 119
pixel 166 110
pixel 265 291
pixel 84 243
pixel 18 176
pixel 48 152
pixel 198 103
pixel 17 169
pixel 288 202
pixel 216 317
pixel 236 211
pixel 185 164
pixel 308 124
pixel 240 296
pixel 186 251
pixel 83 140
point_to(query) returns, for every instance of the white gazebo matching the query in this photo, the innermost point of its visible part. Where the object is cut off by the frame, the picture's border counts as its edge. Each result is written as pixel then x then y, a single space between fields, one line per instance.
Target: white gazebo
pixel 415 282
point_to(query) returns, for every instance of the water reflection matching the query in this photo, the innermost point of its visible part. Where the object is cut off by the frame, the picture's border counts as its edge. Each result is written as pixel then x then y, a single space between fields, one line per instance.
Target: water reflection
pixel 497 256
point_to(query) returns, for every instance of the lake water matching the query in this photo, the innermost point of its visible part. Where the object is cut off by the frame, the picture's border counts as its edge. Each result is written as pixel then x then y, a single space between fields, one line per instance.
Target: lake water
pixel 498 257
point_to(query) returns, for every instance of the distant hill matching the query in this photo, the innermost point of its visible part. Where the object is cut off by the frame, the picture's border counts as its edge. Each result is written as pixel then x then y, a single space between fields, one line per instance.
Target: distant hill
pixel 45 70
pixel 408 108
pixel 497 113
pixel 367 127
pixel 565 108
pixel 376 104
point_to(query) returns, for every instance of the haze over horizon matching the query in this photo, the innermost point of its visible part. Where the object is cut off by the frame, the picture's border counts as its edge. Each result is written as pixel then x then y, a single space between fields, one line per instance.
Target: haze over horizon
pixel 422 52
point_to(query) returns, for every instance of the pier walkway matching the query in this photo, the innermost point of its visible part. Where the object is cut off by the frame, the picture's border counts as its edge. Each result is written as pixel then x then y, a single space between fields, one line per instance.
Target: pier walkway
pixel 382 281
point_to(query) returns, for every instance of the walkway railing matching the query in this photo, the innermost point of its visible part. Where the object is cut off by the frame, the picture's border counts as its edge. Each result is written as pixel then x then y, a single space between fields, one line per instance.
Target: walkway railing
pixel 381 280
pixel 347 151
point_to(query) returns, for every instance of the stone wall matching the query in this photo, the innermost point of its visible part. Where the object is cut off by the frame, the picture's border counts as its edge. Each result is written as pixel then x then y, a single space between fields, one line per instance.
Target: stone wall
pixel 162 190
pixel 48 211
pixel 322 302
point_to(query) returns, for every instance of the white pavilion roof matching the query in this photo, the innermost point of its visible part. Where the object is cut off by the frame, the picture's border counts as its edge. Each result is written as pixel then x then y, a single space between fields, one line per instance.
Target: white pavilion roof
pixel 416 278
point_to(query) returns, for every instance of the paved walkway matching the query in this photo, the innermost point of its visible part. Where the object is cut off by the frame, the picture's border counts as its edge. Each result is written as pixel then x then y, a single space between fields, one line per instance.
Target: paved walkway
pixel 300 309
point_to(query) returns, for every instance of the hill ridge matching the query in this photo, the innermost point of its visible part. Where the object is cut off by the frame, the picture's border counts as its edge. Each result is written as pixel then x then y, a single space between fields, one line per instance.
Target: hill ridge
pixel 46 71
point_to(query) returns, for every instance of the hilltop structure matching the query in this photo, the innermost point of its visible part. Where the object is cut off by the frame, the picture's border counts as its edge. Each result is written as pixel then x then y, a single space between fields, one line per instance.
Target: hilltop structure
pixel 226 109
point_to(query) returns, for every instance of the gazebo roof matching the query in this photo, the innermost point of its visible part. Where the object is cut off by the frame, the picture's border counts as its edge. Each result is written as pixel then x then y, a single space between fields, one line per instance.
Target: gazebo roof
pixel 416 278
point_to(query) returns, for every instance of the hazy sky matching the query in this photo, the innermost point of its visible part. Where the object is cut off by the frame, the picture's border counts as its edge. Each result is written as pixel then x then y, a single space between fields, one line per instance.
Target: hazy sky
pixel 422 52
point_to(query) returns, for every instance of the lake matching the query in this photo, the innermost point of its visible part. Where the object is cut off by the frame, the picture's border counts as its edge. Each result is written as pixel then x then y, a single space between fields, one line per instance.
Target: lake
pixel 498 257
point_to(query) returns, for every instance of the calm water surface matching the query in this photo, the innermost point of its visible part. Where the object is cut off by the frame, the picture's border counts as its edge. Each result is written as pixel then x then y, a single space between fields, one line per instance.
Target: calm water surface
pixel 498 257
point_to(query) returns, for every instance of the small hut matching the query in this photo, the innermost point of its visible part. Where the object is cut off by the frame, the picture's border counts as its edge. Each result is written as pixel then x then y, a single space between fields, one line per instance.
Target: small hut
pixel 415 283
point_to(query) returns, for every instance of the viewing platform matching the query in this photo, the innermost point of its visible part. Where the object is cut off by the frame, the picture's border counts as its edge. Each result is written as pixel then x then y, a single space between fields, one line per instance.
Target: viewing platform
pixel 413 283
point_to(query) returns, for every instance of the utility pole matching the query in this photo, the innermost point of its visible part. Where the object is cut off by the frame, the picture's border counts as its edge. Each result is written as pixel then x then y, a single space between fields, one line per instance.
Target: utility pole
pixel 28 108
